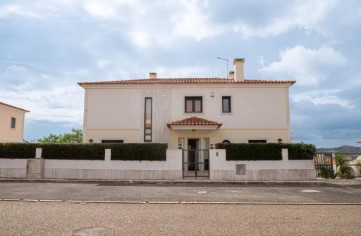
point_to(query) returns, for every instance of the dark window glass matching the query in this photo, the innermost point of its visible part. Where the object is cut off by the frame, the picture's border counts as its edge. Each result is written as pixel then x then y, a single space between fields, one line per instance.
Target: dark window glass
pixel 193 105
pixel 13 123
pixel 226 104
pixel 112 141
pixel 148 120
pixel 257 141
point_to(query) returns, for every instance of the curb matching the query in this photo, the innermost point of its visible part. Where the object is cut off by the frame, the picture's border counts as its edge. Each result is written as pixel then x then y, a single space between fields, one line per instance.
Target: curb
pixel 317 182
pixel 185 203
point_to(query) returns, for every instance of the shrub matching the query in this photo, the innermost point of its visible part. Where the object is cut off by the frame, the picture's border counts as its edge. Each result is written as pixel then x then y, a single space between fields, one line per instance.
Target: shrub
pixel 138 151
pixel 300 151
pixel 343 169
pixel 73 151
pixel 325 172
pixel 267 151
pixel 358 167
pixel 17 150
pixel 251 152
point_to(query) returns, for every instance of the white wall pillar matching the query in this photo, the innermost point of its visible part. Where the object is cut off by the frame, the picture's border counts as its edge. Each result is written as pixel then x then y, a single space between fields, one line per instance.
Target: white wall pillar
pixel 284 154
pixel 108 154
pixel 38 152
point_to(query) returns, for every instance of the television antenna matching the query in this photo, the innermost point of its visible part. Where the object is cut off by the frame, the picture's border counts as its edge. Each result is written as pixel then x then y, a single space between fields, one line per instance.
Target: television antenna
pixel 224 59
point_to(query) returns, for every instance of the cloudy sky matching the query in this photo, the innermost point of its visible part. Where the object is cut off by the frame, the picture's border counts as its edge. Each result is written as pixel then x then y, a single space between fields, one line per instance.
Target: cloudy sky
pixel 47 46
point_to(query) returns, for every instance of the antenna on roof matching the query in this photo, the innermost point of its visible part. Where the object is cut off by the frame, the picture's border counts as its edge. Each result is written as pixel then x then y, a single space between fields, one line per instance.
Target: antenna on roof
pixel 224 59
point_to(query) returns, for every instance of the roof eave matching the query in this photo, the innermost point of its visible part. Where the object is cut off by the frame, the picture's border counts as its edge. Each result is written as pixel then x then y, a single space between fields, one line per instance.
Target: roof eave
pixel 18 108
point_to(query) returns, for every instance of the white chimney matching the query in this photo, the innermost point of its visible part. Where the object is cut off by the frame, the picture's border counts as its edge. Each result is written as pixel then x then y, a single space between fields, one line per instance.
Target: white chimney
pixel 231 74
pixel 152 75
pixel 238 68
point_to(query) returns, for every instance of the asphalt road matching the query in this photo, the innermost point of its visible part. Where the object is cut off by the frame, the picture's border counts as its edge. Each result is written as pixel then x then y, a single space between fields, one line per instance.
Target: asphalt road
pixel 118 208
pixel 181 192
pixel 66 218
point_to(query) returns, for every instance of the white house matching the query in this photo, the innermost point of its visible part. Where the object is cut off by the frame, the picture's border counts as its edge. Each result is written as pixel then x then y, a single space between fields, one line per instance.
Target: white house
pixel 192 113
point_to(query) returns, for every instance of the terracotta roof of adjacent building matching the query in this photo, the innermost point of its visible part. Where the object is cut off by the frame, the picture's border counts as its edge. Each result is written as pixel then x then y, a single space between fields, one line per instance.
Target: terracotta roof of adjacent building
pixel 359 141
pixel 186 81
pixel 1 103
pixel 195 121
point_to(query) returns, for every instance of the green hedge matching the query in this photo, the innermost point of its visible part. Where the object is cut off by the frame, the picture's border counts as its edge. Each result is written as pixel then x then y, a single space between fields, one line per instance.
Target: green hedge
pixel 73 151
pixel 300 151
pixel 126 152
pixel 17 150
pixel 251 152
pixel 138 151
pixel 266 151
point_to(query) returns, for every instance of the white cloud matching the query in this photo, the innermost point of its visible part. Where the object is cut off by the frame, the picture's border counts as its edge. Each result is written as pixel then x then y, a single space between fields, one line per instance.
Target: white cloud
pixel 323 97
pixel 17 10
pixel 306 15
pixel 103 63
pixel 192 22
pixel 49 97
pixel 102 9
pixel 305 65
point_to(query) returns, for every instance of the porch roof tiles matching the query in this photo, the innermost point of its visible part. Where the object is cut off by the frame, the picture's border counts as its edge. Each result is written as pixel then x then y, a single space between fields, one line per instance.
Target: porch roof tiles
pixel 194 121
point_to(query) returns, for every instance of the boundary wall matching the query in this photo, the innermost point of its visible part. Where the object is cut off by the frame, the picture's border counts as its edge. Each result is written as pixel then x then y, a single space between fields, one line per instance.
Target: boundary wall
pixel 171 169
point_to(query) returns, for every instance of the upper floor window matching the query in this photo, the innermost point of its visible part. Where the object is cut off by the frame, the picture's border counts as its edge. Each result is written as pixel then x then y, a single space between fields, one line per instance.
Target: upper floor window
pixel 13 123
pixel 193 105
pixel 226 104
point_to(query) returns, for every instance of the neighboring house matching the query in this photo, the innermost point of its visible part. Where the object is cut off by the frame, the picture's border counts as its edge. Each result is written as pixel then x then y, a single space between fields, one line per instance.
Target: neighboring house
pixel 11 123
pixel 193 113
pixel 359 142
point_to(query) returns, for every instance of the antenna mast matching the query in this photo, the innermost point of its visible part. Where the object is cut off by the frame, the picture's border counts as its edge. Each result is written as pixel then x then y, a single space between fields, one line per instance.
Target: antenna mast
pixel 224 59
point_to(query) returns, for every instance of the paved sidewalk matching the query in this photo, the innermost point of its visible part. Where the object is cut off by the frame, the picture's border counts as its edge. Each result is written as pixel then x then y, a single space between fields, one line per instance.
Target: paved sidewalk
pixel 314 182
pixel 294 192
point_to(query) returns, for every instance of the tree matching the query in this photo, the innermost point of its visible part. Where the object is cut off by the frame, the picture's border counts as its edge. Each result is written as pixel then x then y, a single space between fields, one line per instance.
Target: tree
pixel 76 136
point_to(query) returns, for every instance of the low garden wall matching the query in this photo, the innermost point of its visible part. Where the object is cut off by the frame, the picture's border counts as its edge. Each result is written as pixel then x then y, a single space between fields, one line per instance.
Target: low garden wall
pixel 116 170
pixel 236 162
pixel 259 170
pixel 13 168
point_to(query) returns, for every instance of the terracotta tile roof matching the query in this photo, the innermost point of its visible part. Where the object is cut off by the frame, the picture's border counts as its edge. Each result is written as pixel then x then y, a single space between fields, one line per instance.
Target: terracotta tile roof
pixel 359 142
pixel 1 103
pixel 194 121
pixel 185 81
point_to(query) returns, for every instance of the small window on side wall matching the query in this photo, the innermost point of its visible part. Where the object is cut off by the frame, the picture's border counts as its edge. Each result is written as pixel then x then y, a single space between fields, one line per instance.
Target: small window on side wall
pixel 226 104
pixel 13 123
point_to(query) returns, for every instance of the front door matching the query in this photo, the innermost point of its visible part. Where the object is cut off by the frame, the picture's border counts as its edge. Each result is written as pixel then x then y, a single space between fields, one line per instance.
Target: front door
pixel 192 154
pixel 195 160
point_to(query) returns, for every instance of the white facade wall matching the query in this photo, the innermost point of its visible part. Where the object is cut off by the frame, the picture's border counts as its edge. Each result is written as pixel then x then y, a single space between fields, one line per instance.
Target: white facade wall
pixel 117 112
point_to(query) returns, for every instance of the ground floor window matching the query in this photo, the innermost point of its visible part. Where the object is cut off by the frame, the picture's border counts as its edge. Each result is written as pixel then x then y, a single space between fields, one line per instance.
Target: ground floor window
pixel 257 141
pixel 112 141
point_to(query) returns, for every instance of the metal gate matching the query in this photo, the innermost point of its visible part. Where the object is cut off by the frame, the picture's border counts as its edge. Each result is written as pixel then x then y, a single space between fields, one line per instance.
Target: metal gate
pixel 195 163
pixel 324 165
